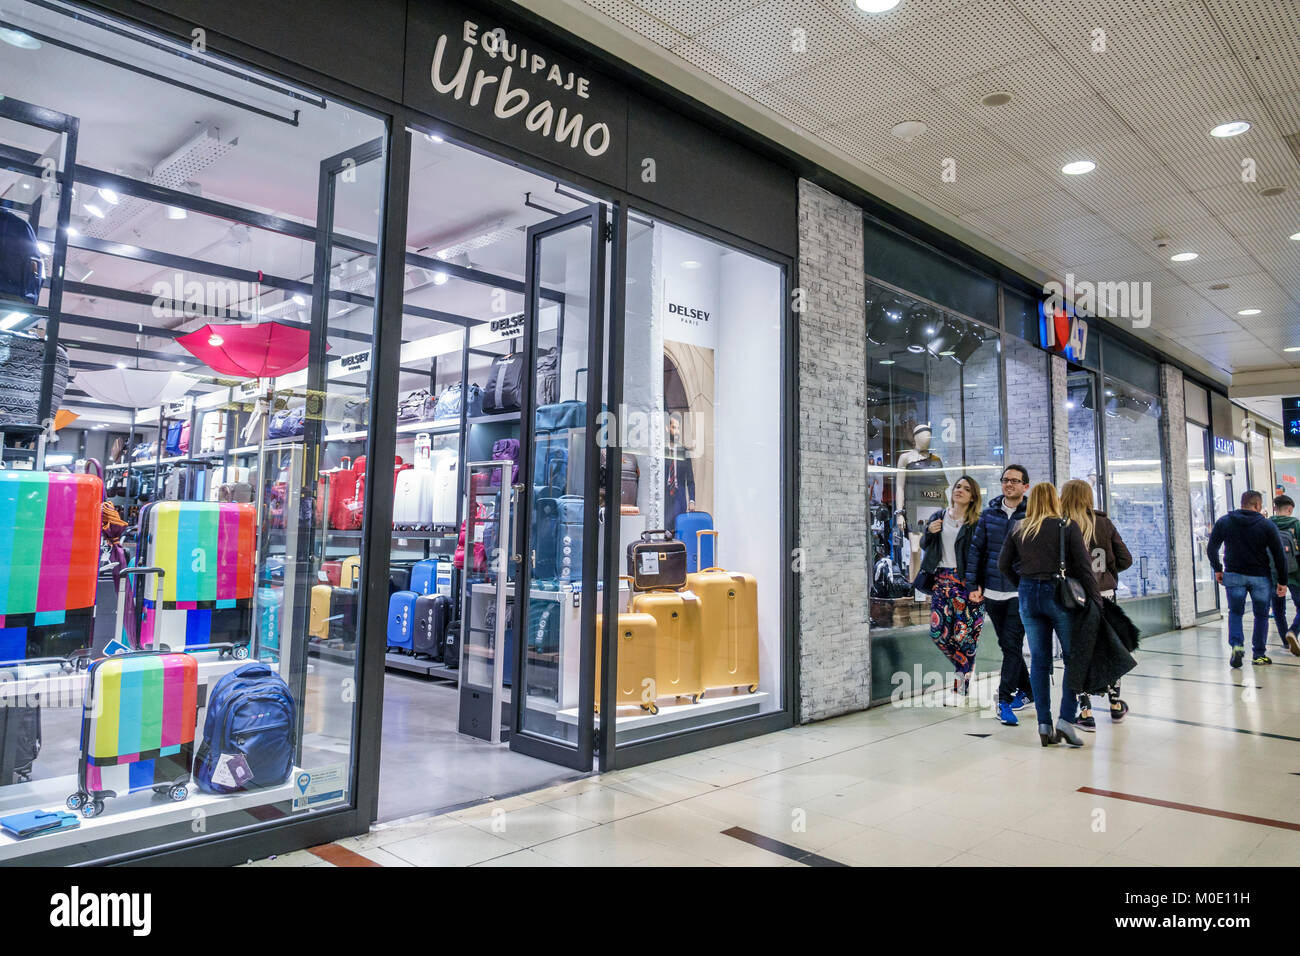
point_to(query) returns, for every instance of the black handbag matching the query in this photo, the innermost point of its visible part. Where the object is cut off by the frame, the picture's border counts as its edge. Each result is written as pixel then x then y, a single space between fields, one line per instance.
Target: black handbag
pixel 1069 591
pixel 924 581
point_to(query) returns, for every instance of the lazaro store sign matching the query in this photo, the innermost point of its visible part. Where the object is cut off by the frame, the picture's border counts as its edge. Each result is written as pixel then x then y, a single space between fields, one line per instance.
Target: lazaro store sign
pixel 502 84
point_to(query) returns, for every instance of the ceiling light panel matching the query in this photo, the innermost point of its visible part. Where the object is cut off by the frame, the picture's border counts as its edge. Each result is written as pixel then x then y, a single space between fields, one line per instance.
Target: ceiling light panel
pixel 761 39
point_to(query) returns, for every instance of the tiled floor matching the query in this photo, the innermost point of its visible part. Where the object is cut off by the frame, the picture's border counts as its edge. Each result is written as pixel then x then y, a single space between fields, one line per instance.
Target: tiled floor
pixel 916 786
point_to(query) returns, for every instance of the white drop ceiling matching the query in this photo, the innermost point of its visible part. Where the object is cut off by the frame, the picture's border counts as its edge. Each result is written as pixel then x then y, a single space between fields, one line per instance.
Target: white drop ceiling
pixel 1141 109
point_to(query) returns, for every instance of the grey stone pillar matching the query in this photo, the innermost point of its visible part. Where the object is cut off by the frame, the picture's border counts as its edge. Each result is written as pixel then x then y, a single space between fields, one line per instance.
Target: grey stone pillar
pixel 835 580
pixel 1178 502
pixel 1058 370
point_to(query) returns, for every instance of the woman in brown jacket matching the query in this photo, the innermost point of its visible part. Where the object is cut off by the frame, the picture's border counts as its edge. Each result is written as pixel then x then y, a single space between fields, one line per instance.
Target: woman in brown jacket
pixel 1110 557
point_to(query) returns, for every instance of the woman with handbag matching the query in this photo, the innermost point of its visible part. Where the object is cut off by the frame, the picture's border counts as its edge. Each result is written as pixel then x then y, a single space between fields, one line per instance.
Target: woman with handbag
pixel 955 622
pixel 1104 542
pixel 1045 556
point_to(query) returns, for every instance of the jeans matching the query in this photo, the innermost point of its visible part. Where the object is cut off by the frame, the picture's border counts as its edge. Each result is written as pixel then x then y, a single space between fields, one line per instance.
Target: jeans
pixel 1042 614
pixel 1279 612
pixel 1005 616
pixel 1261 591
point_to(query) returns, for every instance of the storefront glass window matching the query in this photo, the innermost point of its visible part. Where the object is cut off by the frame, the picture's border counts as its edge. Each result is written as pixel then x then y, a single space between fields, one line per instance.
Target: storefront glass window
pixel 218 257
pixel 1261 462
pixel 700 436
pixel 1081 418
pixel 1137 493
pixel 1286 469
pixel 1198 480
pixel 1029 429
pixel 934 413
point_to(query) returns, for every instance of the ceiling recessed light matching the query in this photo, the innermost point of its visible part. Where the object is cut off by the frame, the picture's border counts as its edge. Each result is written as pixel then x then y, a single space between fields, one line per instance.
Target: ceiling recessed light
pixel 947 352
pixel 121 364
pixel 109 196
pixel 1235 128
pixel 176 212
pixel 94 210
pixel 876 6
pixel 972 385
pixel 1295 236
pixel 19 39
pixel 691 264
pixel 1249 312
pixel 1079 168
pixel 886 361
pixel 908 130
pixel 433 137
pixel 1292 348
pixel 298 299
pixel 1000 98
pixel 1218 287
pixel 439 278
pixel 1183 256
pixel 27 185
pixel 1271 191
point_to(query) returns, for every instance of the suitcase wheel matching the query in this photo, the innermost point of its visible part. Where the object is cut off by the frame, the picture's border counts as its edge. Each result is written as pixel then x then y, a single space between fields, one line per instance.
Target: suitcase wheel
pixel 178 792
pixel 753 688
pixel 696 698
pixel 652 708
pixel 75 801
pixel 92 809
pixel 240 653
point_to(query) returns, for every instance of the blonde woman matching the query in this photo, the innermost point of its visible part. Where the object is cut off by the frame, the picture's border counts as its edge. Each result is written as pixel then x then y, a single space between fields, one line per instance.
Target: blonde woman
pixel 955 621
pixel 1031 558
pixel 1110 558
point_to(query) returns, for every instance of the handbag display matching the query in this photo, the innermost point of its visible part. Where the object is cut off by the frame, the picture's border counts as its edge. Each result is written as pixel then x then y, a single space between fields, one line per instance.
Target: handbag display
pixel 417 406
pixel 501 392
pixel 288 423
pixel 1069 591
pixel 22 358
pixel 22 267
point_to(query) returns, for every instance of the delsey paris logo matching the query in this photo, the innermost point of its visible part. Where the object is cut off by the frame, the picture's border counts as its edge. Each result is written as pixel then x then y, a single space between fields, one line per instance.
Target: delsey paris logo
pixel 565 125
pixel 690 316
pixel 75 909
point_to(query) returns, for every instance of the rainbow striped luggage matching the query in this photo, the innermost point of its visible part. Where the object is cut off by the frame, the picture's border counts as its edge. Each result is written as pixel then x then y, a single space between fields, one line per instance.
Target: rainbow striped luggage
pixel 49 562
pixel 203 596
pixel 137 728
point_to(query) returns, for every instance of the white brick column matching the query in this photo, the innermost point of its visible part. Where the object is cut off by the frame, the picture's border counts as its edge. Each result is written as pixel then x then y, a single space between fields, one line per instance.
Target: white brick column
pixel 1178 501
pixel 1058 372
pixel 835 581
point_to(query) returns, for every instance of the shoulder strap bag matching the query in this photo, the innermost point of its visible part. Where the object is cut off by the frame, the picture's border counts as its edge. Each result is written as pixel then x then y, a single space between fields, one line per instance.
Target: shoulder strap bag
pixel 1069 591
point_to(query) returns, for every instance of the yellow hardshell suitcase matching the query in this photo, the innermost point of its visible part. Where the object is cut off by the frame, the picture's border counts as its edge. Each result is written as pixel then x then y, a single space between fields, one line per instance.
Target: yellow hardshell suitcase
pixel 318 624
pixel 677 641
pixel 636 675
pixel 350 572
pixel 729 630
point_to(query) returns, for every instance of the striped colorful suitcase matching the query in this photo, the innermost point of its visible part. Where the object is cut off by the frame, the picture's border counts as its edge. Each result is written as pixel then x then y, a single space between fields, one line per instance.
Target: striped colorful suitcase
pixel 49 562
pixel 137 728
pixel 206 551
pixel 729 622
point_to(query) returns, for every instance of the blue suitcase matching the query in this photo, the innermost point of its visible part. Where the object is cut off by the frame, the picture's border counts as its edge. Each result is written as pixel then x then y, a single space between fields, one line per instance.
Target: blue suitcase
pixel 699 555
pixel 546 542
pixel 569 558
pixel 401 620
pixel 424 576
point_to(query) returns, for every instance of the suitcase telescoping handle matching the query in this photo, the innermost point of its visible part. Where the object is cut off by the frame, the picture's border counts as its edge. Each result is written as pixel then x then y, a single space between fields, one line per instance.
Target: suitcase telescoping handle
pixel 699 548
pixel 658 534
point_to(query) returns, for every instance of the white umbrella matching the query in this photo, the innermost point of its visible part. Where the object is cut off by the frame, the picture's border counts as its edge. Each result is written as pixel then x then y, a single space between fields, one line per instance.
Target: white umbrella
pixel 133 388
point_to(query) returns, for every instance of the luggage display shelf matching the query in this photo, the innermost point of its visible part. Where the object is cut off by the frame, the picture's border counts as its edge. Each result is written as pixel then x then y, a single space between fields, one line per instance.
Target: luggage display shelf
pixel 489 419
pixel 636 724
pixel 201 459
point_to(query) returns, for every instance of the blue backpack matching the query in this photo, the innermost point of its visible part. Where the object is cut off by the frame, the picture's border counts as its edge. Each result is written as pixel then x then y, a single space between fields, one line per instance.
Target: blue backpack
pixel 251 714
pixel 22 268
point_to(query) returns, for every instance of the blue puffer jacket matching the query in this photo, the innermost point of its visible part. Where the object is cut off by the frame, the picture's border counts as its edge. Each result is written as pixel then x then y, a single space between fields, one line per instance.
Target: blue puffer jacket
pixel 986 544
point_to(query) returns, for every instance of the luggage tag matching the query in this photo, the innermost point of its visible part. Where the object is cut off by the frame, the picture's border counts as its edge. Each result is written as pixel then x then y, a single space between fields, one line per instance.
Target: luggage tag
pixel 649 562
pixel 115 646
pixel 232 771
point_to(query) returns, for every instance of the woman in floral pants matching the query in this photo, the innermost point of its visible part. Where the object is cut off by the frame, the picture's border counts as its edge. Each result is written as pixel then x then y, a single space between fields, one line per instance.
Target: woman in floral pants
pixel 955 622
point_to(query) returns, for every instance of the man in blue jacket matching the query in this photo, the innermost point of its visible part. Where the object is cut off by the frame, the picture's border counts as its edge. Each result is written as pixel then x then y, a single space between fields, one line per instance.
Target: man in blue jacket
pixel 1251 540
pixel 985 583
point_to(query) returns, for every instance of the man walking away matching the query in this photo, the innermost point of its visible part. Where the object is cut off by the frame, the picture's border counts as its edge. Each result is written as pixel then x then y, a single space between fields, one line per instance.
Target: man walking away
pixel 1289 526
pixel 985 583
pixel 1250 540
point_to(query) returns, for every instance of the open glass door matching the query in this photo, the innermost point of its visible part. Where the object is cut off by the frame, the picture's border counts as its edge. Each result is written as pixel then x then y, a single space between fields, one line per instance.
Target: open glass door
pixel 553 692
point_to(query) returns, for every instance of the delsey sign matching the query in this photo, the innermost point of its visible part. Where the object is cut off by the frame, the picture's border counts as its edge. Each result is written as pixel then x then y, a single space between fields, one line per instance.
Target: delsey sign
pixel 508 327
pixel 688 315
pixel 505 85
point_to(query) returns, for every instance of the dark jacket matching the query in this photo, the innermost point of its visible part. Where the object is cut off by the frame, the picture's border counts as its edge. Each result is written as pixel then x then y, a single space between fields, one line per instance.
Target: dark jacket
pixel 1098 655
pixel 1250 539
pixel 1118 559
pixel 1040 556
pixel 986 544
pixel 932 545
pixel 1290 523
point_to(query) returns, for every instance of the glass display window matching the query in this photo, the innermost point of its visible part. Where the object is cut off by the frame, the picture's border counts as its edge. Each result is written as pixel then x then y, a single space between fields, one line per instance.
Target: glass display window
pixel 1203 516
pixel 1135 479
pixel 208 238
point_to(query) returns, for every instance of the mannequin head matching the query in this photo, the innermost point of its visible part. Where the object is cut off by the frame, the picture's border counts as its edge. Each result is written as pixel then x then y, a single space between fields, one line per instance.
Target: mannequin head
pixel 921 438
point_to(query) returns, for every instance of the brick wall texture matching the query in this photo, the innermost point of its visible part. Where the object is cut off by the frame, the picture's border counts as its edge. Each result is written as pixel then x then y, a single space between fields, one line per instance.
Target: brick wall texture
pixel 834 584
pixel 1173 448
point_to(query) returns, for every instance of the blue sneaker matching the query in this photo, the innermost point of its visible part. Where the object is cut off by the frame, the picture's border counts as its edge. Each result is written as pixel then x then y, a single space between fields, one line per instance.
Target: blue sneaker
pixel 1007 714
pixel 1020 701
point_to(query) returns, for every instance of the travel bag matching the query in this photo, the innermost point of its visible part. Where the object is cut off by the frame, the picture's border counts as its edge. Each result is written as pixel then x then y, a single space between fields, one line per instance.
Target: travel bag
pixel 449 402
pixel 22 359
pixel 424 576
pixel 553 425
pixel 542 647
pixel 445 468
pixel 173 439
pixel 417 406
pixel 569 560
pixel 505 449
pixel 288 423
pixel 401 620
pixel 636 674
pixel 699 550
pixel 629 481
pixel 503 390
pixel 249 732
pixel 657 560
pixel 20 737
pixel 431 613
pixel 548 376
pixel 137 728
pixel 22 267
pixel 413 500
pixel 343 614
pixel 729 625
pixel 49 562
pixel 678 642
pixel 318 619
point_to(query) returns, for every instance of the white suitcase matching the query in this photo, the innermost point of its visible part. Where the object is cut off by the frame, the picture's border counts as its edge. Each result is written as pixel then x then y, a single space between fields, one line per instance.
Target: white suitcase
pixel 413 500
pixel 445 468
pixel 212 434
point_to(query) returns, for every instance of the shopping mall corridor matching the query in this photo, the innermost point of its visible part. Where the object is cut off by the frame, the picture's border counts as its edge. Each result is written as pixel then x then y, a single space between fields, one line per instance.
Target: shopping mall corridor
pixel 1204 771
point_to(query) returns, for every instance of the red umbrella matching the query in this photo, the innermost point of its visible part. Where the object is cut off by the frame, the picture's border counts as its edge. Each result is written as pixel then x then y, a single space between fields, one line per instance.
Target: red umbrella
pixel 254 351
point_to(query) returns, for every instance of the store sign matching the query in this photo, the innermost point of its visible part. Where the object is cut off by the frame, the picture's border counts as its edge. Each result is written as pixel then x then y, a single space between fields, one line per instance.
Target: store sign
pixel 356 362
pixel 509 327
pixel 688 315
pixel 1061 332
pixel 251 388
pixel 179 408
pixel 1225 446
pixel 505 85
pixel 1291 422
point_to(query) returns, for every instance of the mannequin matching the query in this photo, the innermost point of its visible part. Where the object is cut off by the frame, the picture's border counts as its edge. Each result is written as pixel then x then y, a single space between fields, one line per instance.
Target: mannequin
pixel 922 488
